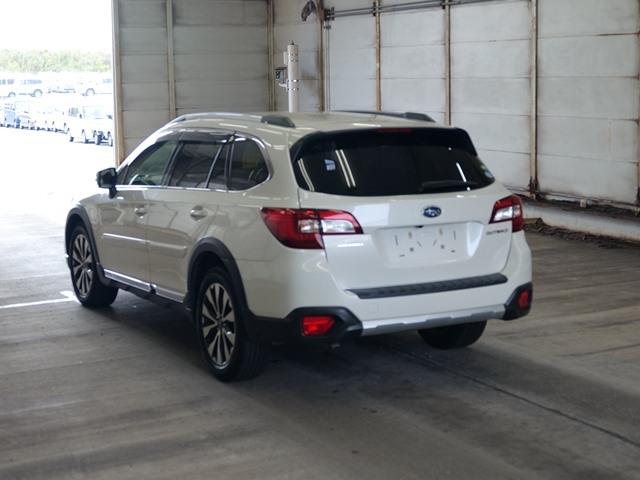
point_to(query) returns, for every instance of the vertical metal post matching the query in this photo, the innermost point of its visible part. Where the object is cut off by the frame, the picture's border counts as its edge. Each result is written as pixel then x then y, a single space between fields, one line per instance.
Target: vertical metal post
pixel 327 66
pixel 447 63
pixel 321 55
pixel 293 77
pixel 533 159
pixel 117 83
pixel 171 61
pixel 271 82
pixel 376 12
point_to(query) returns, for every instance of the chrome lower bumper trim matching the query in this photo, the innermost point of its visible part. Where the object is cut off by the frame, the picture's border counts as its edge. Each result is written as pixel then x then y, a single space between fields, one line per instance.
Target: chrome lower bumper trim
pixel 390 325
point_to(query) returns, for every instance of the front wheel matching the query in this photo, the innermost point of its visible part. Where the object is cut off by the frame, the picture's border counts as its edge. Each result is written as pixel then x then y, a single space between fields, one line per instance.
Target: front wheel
pixel 89 290
pixel 453 336
pixel 228 351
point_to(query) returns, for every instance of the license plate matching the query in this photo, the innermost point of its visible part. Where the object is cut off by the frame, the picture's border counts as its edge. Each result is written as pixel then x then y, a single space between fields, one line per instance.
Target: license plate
pixel 430 242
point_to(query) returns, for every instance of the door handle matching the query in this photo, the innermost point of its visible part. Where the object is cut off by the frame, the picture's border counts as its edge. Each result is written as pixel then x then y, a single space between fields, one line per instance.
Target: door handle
pixel 140 211
pixel 198 213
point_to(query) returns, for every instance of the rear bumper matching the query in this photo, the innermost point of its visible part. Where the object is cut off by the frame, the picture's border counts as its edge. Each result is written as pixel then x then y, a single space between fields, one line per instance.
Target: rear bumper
pixel 349 326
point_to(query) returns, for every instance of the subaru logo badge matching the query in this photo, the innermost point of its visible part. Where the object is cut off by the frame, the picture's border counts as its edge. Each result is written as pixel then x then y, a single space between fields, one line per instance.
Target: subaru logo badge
pixel 432 212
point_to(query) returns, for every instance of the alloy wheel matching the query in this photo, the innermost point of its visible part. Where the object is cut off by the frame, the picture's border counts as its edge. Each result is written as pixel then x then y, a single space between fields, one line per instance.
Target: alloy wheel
pixel 218 323
pixel 82 265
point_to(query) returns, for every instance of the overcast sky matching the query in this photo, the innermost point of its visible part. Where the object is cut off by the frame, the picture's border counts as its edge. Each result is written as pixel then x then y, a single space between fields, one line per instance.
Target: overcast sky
pixel 56 25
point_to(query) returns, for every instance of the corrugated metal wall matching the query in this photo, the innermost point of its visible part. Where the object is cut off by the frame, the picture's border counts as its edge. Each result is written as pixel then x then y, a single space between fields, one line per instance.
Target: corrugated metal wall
pixel 565 125
pixel 181 56
pixel 589 98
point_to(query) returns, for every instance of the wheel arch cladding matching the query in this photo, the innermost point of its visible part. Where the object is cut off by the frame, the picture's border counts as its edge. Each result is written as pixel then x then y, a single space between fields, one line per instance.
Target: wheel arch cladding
pixel 211 253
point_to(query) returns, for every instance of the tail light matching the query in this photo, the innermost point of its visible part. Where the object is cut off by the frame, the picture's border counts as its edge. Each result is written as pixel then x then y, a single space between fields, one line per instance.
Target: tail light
pixel 317 325
pixel 304 228
pixel 509 209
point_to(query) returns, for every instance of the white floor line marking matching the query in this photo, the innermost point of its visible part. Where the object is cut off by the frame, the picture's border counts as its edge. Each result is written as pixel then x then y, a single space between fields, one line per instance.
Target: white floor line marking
pixel 68 297
pixel 70 294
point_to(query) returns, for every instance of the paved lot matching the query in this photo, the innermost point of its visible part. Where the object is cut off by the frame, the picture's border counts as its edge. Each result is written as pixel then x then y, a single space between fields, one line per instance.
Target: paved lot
pixel 122 392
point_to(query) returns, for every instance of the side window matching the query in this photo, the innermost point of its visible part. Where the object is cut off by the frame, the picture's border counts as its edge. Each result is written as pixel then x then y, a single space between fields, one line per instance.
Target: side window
pixel 192 164
pixel 248 167
pixel 149 167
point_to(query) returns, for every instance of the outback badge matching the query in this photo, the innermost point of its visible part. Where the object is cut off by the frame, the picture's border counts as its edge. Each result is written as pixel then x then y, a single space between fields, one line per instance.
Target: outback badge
pixel 432 212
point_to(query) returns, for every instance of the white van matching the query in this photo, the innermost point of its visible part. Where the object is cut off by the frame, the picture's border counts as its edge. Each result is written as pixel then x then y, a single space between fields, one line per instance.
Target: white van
pixel 8 86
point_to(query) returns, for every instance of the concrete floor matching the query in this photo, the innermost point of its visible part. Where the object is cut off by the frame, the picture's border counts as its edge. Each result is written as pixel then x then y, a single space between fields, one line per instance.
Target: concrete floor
pixel 123 393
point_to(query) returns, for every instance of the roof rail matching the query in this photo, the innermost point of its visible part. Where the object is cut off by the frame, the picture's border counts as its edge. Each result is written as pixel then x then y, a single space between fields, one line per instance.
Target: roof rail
pixel 422 117
pixel 278 120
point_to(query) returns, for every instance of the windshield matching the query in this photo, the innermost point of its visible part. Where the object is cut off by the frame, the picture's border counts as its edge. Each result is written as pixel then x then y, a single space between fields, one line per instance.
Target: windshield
pixel 385 162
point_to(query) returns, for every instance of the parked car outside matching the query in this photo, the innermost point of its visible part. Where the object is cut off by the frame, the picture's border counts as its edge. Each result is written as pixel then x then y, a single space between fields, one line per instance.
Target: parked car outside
pixel 40 112
pixel 98 86
pixel 313 228
pixel 31 86
pixel 90 123
pixel 16 114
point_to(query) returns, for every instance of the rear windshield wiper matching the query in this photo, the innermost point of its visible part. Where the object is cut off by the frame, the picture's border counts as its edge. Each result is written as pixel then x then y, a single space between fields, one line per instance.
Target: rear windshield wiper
pixel 437 185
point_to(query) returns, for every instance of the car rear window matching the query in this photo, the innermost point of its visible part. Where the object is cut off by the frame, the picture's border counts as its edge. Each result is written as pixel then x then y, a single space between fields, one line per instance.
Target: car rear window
pixel 385 162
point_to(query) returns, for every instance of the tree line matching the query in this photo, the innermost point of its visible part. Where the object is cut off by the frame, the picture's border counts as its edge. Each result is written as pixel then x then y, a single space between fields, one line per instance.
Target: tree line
pixel 34 61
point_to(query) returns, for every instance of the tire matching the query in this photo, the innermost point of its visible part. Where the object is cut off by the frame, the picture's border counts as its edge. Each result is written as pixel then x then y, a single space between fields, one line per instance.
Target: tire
pixel 90 92
pixel 70 136
pixel 97 139
pixel 89 290
pixel 229 353
pixel 11 94
pixel 37 93
pixel 83 137
pixel 110 140
pixel 453 336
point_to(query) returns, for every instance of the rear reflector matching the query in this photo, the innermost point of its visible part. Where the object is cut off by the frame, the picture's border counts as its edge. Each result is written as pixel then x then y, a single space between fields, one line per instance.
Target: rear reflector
pixel 509 209
pixel 317 325
pixel 524 300
pixel 304 228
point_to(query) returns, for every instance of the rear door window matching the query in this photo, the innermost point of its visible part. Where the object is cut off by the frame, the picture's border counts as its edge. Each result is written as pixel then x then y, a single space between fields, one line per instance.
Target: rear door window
pixel 387 162
pixel 192 164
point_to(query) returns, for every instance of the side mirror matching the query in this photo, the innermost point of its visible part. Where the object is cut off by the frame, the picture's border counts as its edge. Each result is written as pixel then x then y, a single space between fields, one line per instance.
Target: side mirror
pixel 107 179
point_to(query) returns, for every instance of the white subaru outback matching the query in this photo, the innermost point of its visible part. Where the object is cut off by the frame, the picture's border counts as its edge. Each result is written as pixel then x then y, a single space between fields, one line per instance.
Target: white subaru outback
pixel 305 227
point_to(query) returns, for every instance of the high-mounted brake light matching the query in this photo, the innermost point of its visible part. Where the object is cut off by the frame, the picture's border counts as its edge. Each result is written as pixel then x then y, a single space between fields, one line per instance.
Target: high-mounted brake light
pixel 304 228
pixel 509 209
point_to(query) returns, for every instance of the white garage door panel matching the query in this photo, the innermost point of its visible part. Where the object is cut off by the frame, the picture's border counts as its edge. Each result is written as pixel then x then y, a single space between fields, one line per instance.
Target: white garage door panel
pixel 240 95
pixel 142 122
pixel 143 41
pixel 143 13
pixel 507 96
pixel 598 179
pixel 350 95
pixel 352 63
pixel 247 39
pixel 413 95
pixel 417 28
pixel 491 85
pixel 497 59
pixel 590 97
pixel 143 96
pixel 486 22
pixel 497 132
pixel 412 62
pixel 603 56
pixel 144 68
pixel 563 18
pixel 220 66
pixel 219 12
pixel 590 138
